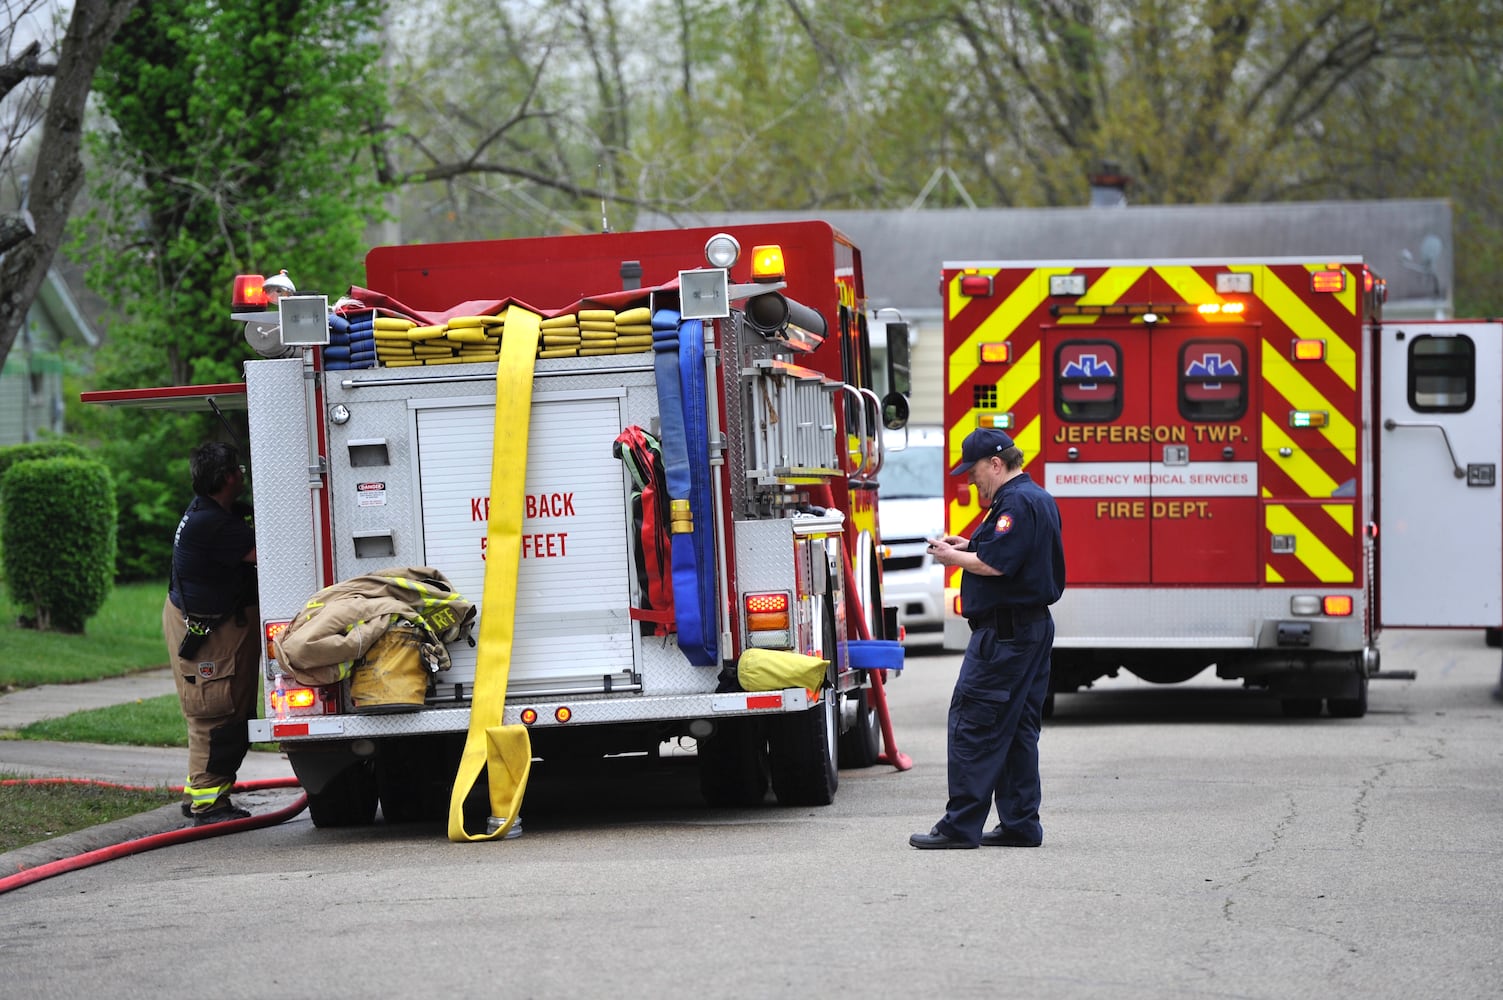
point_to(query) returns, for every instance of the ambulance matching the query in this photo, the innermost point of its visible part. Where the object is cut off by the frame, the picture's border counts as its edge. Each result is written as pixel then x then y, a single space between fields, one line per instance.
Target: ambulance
pixel 1255 472
pixel 376 422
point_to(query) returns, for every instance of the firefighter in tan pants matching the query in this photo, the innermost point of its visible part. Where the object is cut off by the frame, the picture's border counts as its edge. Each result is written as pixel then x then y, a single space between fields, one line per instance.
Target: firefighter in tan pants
pixel 211 621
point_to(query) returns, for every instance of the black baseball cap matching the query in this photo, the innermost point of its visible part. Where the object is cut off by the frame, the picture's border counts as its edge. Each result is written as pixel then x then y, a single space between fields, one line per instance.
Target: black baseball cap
pixel 984 442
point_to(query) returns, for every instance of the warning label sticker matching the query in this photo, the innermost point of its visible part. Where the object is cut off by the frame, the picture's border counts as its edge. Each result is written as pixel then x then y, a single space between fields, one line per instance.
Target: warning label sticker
pixel 370 494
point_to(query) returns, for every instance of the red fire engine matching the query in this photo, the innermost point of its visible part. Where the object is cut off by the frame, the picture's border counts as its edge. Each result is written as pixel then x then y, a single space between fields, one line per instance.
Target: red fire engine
pixel 1254 471
pixel 372 457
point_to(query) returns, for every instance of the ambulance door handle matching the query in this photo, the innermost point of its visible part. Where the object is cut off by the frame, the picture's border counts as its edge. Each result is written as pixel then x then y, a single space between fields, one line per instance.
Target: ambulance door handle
pixel 1456 469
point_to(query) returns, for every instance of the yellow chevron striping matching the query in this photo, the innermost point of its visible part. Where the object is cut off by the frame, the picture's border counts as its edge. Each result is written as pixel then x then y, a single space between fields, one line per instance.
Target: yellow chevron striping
pixel 1107 289
pixel 1271 575
pixel 1282 374
pixel 1341 513
pixel 1308 549
pixel 1188 284
pixel 1347 297
pixel 1000 324
pixel 1302 322
pixel 1299 466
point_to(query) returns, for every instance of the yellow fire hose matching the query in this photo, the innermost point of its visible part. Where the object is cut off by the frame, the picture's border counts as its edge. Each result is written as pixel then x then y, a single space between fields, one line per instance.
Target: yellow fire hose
pixel 503 752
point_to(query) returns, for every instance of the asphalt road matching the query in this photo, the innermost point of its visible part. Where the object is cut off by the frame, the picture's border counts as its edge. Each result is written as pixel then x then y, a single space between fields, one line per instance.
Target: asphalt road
pixel 1197 845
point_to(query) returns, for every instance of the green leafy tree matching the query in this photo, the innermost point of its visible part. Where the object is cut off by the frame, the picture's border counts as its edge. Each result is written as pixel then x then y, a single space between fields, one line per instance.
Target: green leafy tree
pixel 235 141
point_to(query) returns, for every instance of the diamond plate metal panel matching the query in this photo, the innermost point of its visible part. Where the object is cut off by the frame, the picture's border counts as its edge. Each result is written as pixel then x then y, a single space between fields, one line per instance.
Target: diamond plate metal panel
pixel 286 542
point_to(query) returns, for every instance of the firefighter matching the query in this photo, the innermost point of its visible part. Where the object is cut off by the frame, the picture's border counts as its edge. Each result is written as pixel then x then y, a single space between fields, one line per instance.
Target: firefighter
pixel 1013 569
pixel 211 620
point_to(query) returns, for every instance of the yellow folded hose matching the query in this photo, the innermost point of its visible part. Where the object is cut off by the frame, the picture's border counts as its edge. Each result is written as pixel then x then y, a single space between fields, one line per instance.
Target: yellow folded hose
pixel 503 752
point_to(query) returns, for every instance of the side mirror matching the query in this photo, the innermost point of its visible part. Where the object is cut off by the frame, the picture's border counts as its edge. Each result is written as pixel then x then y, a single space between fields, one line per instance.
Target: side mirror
pixel 899 372
pixel 894 411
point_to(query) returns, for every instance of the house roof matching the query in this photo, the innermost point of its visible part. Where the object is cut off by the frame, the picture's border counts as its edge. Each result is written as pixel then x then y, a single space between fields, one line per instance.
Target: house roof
pixel 1408 242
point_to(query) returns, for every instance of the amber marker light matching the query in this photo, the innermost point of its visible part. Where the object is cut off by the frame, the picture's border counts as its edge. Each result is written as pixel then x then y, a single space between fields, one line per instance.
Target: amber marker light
pixel 1337 605
pixel 274 629
pixel 562 714
pixel 997 353
pixel 1309 350
pixel 300 697
pixel 529 716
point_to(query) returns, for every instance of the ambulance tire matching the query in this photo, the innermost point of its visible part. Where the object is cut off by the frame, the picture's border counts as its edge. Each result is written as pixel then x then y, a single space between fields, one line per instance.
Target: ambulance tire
pixel 347 800
pixel 861 745
pixel 733 764
pixel 1300 708
pixel 1354 707
pixel 803 751
pixel 1493 637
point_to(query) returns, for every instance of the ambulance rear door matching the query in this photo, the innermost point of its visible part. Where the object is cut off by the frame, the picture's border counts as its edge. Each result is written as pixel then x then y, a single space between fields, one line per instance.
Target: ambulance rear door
pixel 1153 451
pixel 1440 445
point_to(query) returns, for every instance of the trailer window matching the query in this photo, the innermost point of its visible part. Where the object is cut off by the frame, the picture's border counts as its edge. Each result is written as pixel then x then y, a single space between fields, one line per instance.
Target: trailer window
pixel 1212 380
pixel 1088 380
pixel 1442 374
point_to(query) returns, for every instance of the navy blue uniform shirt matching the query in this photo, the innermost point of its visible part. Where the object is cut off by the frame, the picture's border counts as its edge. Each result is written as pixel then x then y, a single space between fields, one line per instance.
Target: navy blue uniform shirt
pixel 1020 536
pixel 209 573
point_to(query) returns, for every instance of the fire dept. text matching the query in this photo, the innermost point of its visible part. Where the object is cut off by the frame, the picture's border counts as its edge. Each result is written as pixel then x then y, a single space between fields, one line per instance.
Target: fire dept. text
pixel 1160 510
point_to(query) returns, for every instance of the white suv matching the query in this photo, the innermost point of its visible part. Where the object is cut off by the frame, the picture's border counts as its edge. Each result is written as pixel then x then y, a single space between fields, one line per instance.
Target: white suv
pixel 911 487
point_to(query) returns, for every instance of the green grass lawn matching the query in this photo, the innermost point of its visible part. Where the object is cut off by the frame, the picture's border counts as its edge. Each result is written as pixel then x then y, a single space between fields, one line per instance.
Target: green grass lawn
pixel 125 637
pixel 32 812
pixel 149 722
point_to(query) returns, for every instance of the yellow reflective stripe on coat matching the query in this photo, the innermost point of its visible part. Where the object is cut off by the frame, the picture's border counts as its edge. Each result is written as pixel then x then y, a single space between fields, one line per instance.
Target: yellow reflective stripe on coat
pixel 503 752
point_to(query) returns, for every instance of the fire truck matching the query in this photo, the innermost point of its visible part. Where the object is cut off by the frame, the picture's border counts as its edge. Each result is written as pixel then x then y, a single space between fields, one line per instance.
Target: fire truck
pixel 364 459
pixel 1254 470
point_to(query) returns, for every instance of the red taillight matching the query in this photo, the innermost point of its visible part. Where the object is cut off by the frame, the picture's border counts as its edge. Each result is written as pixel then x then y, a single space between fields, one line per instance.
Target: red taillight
pixel 756 603
pixel 250 292
pixel 1328 281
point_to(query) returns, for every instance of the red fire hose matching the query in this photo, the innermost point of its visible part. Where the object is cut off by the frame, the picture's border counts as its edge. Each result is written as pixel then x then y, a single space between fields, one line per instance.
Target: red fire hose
pixel 822 495
pixel 26 876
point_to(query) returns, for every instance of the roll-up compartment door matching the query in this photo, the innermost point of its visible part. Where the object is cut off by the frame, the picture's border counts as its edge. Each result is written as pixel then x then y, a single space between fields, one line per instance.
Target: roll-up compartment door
pixel 574 583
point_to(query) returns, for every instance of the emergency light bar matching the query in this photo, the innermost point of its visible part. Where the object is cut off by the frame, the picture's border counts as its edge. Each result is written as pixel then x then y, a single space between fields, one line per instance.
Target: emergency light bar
pixel 998 421
pixel 1309 418
pixel 1146 309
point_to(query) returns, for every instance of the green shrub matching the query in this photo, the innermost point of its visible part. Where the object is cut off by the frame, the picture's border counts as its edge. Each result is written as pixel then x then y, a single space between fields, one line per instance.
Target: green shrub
pixel 49 448
pixel 57 537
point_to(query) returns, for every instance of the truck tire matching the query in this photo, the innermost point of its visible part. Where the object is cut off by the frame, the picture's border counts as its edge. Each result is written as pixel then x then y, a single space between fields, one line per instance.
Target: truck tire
pixel 861 745
pixel 347 800
pixel 408 780
pixel 802 754
pixel 733 764
pixel 1493 637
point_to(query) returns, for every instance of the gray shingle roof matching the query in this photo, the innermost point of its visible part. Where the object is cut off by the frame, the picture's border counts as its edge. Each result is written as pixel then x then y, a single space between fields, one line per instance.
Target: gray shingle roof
pixel 903 250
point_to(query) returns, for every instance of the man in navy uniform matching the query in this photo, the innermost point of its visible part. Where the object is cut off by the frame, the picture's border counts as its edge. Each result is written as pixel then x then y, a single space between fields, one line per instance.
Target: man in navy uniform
pixel 1013 569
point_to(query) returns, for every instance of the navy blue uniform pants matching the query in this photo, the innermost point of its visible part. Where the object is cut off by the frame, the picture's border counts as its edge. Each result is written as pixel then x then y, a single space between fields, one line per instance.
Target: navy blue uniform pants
pixel 995 716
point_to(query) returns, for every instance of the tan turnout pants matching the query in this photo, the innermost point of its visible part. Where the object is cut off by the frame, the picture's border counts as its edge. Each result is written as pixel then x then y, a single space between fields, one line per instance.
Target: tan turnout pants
pixel 217 689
